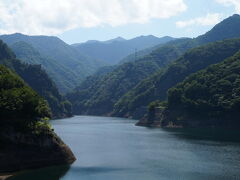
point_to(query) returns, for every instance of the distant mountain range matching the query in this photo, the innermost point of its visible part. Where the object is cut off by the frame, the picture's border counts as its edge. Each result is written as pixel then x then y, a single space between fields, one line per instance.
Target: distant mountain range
pixel 117 39
pixel 143 69
pixel 65 65
pixel 114 50
pixel 111 94
pixel 69 65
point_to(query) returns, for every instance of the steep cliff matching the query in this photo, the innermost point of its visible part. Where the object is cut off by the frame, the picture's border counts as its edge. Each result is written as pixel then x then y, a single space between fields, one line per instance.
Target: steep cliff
pixel 26 138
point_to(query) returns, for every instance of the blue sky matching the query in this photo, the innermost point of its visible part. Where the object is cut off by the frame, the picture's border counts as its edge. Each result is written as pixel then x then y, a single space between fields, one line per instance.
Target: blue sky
pixel 80 20
pixel 157 27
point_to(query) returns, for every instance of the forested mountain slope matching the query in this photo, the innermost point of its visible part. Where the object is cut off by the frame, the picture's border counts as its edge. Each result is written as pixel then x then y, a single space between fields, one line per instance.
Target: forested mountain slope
pixel 66 65
pixel 19 101
pixel 208 98
pixel 37 78
pixel 157 85
pixel 104 94
pixel 26 138
pixel 61 74
pixel 100 98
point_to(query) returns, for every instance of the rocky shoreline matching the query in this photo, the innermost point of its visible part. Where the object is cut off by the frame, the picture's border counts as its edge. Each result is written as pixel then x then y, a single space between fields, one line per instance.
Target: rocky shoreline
pixel 29 151
pixel 4 177
pixel 156 124
pixel 147 123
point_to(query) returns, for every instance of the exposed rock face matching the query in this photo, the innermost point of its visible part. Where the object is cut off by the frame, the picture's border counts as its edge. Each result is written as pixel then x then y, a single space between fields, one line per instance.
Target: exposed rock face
pixel 161 117
pixel 4 177
pixel 152 119
pixel 20 151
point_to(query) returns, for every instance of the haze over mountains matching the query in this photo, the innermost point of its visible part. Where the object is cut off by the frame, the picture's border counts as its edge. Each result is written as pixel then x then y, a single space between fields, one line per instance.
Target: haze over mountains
pixel 112 51
pixel 69 65
pixel 103 97
pixel 65 65
pixel 124 89
pixel 185 82
pixel 38 80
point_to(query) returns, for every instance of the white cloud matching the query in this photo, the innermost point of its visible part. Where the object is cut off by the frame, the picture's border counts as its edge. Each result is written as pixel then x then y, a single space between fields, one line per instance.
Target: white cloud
pixel 235 3
pixel 57 16
pixel 209 19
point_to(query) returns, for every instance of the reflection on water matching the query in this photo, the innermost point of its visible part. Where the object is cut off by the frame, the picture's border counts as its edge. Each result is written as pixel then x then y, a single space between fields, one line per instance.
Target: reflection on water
pixel 115 149
pixel 51 173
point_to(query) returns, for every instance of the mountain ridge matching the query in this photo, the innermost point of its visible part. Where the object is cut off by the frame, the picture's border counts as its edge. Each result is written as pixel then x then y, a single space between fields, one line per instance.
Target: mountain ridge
pixel 207 98
pixel 112 51
pixel 73 64
pixel 38 80
pixel 155 87
pixel 111 87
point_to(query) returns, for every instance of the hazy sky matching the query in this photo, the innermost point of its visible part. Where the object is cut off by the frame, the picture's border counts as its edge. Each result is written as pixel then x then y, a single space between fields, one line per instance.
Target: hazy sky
pixel 81 20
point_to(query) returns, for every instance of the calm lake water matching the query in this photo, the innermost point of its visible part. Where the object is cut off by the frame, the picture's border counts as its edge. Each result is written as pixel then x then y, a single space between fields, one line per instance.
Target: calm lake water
pixel 115 149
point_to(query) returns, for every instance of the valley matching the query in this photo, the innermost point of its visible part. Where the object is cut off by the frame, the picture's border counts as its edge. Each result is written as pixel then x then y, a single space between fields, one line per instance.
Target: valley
pixel 146 107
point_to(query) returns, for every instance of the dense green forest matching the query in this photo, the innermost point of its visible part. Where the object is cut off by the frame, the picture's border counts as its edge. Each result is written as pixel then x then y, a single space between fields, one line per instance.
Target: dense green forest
pixel 20 106
pixel 136 55
pixel 100 97
pixel 37 79
pixel 26 137
pixel 60 74
pixel 91 80
pixel 210 97
pixel 66 65
pixel 157 85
